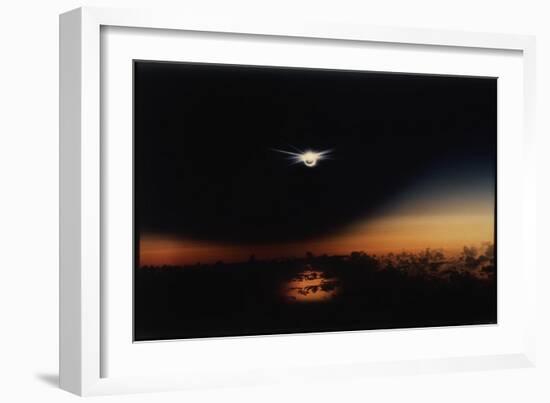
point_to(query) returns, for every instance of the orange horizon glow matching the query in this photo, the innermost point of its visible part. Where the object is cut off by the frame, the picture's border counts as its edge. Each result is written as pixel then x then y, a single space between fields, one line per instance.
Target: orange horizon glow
pixel 416 225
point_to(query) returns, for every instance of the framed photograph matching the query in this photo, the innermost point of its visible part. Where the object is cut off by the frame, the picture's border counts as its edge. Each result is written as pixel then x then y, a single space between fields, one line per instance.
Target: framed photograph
pixel 251 201
pixel 316 200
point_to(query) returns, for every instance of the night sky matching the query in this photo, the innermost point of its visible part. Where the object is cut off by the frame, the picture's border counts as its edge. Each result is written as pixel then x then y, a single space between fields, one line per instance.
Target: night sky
pixel 204 135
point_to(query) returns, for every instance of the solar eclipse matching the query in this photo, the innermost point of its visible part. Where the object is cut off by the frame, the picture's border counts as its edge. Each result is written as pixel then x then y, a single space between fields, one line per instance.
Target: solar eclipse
pixel 309 157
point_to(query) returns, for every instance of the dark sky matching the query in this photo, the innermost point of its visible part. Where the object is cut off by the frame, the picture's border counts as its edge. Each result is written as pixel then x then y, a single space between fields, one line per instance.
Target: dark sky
pixel 204 134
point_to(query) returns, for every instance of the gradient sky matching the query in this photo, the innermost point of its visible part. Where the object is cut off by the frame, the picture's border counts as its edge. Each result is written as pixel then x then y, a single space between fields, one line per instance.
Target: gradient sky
pixel 413 162
pixel 439 217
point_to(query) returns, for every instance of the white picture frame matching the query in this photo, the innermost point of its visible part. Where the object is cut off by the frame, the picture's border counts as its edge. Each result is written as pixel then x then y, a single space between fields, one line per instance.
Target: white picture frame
pixel 86 345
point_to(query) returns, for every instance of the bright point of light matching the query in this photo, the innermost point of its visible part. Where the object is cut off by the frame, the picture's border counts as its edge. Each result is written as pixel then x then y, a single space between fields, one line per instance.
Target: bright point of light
pixel 309 158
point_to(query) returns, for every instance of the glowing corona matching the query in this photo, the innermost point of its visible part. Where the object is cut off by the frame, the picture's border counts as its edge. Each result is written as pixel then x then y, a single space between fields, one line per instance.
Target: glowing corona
pixel 309 158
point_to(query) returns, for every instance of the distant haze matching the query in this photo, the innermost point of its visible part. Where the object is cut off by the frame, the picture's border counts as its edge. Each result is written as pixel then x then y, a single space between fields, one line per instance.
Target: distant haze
pixel 449 220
